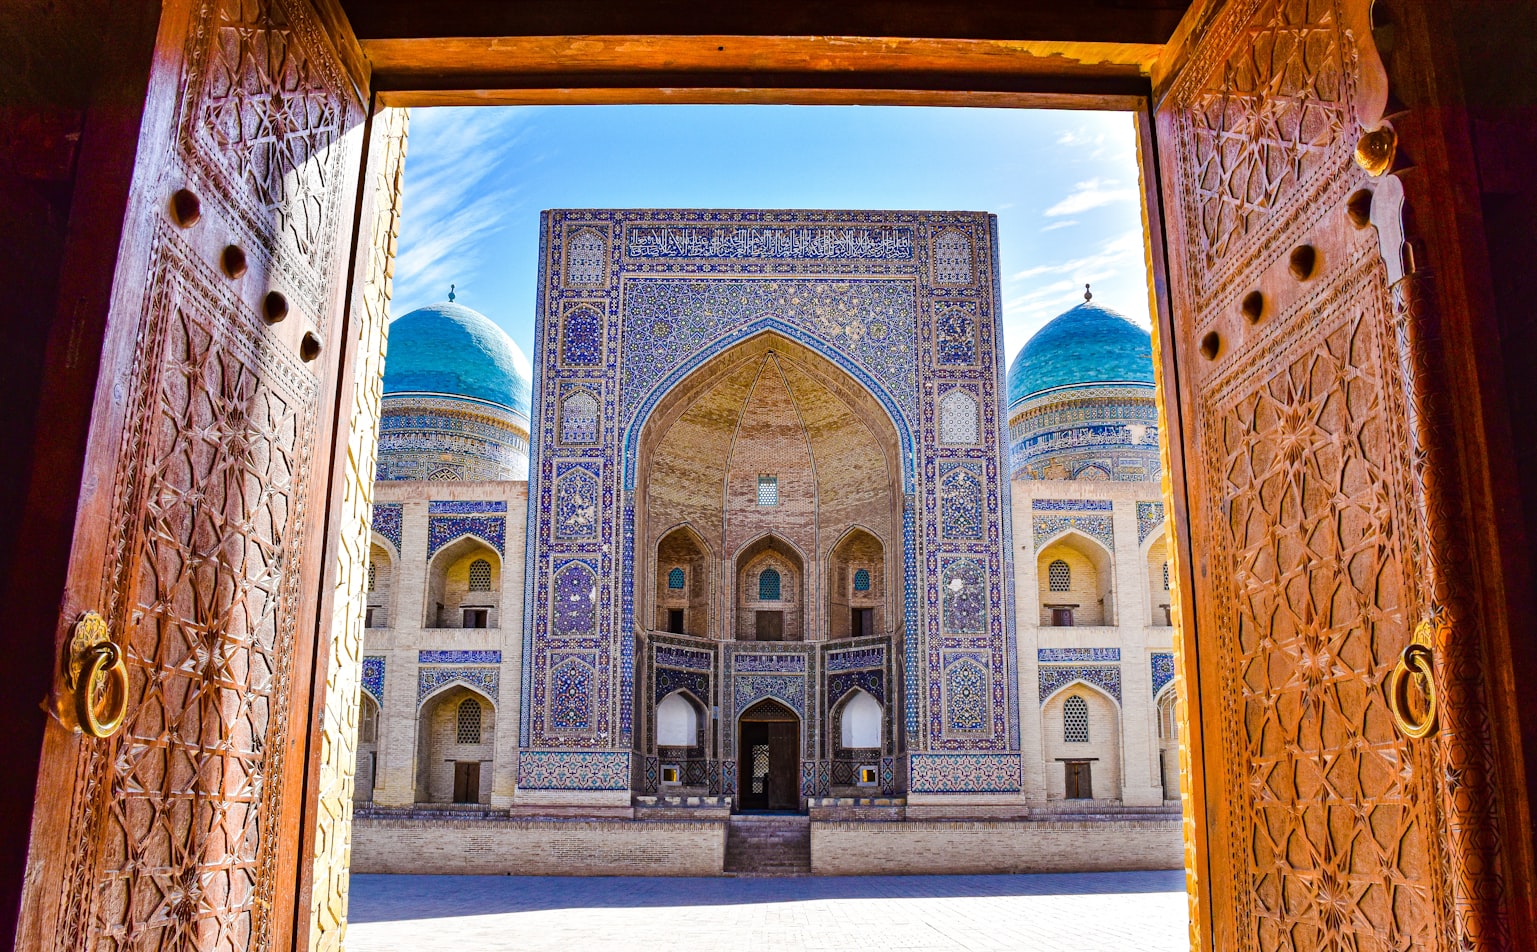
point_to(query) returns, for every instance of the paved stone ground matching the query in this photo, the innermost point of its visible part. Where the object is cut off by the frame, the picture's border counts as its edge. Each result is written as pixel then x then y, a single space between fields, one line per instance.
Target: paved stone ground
pixel 1082 912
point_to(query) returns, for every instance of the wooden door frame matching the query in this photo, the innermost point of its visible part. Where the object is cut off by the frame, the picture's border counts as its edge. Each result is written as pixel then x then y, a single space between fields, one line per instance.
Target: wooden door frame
pixel 838 66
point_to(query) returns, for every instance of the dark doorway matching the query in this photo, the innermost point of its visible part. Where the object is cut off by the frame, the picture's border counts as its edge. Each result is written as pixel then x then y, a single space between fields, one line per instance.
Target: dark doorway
pixel 1079 784
pixel 466 781
pixel 771 626
pixel 768 758
pixel 862 624
pixel 675 620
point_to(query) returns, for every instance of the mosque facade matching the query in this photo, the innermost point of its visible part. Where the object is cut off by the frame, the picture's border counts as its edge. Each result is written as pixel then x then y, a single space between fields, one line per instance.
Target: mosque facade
pixel 768 525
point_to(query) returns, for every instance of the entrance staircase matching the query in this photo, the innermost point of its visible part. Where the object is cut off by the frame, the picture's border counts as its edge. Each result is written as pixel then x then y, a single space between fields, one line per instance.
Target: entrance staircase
pixel 768 845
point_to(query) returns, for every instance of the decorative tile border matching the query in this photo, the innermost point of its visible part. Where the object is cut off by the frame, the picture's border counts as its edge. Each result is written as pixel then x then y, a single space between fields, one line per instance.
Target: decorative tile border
pixel 485 678
pixel 573 770
pixel 1163 669
pixel 465 507
pixel 964 773
pixel 1045 528
pixel 1071 505
pixel 749 689
pixel 1054 676
pixel 441 530
pixel 458 657
pixel 745 663
pixel 373 676
pixel 857 658
pixel 1077 654
pixel 669 680
pixel 688 658
pixel 872 683
pixel 1149 519
pixel 387 521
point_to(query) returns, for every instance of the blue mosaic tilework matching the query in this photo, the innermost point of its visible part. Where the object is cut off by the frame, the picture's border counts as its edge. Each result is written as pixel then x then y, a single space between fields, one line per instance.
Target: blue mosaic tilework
pixel 872 683
pixel 576 501
pixel 874 657
pixel 888 776
pixel 387 521
pixel 1097 432
pixel 573 770
pixel 1149 519
pixel 570 691
pixel 1071 505
pixel 441 438
pixel 961 507
pixel 1163 669
pixel 688 658
pixel 964 592
pixel 458 657
pixel 441 530
pixel 574 611
pixel 581 337
pixel 485 678
pixel 765 241
pixel 669 680
pixel 1078 654
pixel 955 331
pixel 373 676
pixel 1045 528
pixel 465 507
pixel 748 689
pixel 965 692
pixel 728 777
pixel 768 663
pixel 1053 677
pixel 963 773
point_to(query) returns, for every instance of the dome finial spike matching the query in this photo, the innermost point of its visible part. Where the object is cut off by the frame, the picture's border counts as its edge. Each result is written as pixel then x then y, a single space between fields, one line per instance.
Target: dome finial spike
pixel 1087 294
pixel 452 286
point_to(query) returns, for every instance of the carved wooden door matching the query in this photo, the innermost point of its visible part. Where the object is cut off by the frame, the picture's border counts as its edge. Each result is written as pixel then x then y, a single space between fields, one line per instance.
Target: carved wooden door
pixel 201 529
pixel 1303 409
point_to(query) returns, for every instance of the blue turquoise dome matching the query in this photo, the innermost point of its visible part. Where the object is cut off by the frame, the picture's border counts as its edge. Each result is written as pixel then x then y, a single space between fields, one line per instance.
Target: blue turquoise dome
pixel 1087 345
pixel 451 350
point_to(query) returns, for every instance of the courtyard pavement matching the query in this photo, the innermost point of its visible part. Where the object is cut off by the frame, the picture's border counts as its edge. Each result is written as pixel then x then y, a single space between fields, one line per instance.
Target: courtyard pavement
pixel 1081 912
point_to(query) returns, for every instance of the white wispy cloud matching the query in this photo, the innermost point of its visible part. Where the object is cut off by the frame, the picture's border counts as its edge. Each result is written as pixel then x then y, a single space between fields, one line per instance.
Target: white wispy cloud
pixel 1060 224
pixel 1091 194
pixel 456 198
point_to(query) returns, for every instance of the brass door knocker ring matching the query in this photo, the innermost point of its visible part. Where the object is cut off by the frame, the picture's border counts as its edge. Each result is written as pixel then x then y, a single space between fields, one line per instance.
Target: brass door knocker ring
pixel 1414 667
pixel 97 677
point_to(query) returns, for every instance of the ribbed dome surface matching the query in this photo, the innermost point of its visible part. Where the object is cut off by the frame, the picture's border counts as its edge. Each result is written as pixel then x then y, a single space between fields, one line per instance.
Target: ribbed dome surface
pixel 1087 345
pixel 452 350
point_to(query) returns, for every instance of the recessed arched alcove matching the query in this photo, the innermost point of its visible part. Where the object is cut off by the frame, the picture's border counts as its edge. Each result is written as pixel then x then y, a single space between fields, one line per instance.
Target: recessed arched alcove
pixel 456 742
pixel 682 576
pixel 856 586
pixel 1075 574
pixel 464 586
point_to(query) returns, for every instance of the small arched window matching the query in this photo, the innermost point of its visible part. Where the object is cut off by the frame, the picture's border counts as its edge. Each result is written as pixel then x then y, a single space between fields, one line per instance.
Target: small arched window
pixel 368 722
pixel 861 580
pixel 1166 576
pixel 373 576
pixel 467 730
pixel 768 586
pixel 675 579
pixel 480 576
pixel 1075 720
pixel 1059 578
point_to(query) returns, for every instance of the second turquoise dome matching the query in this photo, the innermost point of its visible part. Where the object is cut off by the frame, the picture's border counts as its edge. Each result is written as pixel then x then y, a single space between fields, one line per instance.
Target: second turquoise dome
pixel 1087 345
pixel 452 350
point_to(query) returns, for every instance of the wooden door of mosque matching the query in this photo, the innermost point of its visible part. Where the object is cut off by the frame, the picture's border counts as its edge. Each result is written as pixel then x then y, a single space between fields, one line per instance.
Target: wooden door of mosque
pixel 201 531
pixel 1304 394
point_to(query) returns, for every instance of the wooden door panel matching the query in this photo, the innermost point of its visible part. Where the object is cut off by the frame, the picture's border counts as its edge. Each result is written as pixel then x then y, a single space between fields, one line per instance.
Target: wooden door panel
pixel 201 533
pixel 1323 822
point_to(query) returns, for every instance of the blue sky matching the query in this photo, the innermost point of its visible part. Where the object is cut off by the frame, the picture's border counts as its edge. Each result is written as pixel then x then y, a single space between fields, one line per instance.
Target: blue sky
pixel 1063 185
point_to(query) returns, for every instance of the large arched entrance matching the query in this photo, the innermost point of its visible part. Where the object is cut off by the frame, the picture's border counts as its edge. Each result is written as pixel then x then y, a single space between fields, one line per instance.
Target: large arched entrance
pixel 769 757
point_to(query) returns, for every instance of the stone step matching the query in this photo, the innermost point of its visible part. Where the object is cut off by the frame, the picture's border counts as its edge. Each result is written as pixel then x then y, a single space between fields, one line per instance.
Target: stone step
pixel 768 846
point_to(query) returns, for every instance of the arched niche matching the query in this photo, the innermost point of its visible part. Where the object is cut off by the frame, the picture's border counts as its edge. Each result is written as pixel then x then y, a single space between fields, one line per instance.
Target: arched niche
pixel 767 406
pixel 464 586
pixel 1167 725
pixel 856 586
pixel 682 583
pixel 1101 751
pixel 1075 576
pixel 366 771
pixel 770 602
pixel 1160 581
pixel 379 585
pixel 682 738
pixel 456 743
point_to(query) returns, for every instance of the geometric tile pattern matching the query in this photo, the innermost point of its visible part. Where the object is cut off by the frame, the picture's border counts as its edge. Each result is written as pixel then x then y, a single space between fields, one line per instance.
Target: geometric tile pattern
pixel 573 770
pixel 1045 528
pixel 1055 676
pixel 387 521
pixel 373 677
pixel 964 773
pixel 486 679
pixel 442 530
pixel 1149 519
pixel 1078 654
pixel 1162 663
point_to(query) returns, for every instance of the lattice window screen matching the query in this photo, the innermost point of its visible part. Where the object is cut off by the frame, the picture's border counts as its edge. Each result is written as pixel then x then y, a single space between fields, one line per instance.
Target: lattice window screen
pixel 861 580
pixel 373 577
pixel 480 576
pixel 760 766
pixel 1166 576
pixel 1075 720
pixel 768 586
pixel 768 490
pixel 1059 578
pixel 468 729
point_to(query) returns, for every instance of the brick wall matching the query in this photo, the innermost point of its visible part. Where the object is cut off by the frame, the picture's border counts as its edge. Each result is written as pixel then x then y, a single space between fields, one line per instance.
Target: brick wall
pixel 995 846
pixel 541 847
